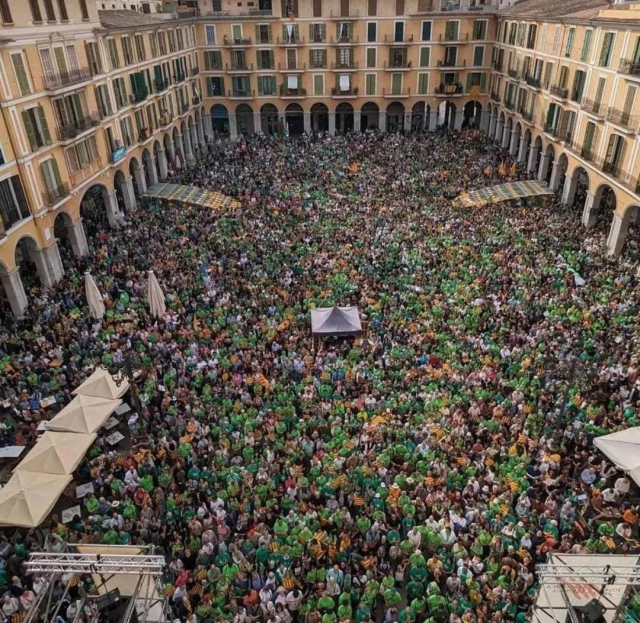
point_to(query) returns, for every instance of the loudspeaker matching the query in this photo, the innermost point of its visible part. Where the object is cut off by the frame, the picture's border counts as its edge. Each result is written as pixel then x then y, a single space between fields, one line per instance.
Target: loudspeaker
pixel 592 612
pixel 114 612
pixel 108 600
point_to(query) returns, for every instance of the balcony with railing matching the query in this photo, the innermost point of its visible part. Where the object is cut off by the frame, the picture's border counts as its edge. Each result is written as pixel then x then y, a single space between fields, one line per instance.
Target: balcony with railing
pixel 196 99
pixel 527 115
pixel 448 63
pixel 138 96
pixel 349 65
pixel 179 77
pixel 588 154
pixel 66 78
pixel 623 119
pixel 551 129
pixel 613 168
pixel 229 15
pixel 345 39
pixel 73 129
pixel 291 40
pixel 293 93
pixel 533 82
pixel 117 154
pixel 143 134
pixel 236 41
pixel 395 93
pixel 495 97
pixel 318 64
pixel 341 17
pixel 594 107
pixel 448 90
pixel 51 196
pixel 239 67
pixel 350 92
pixel 183 107
pixel 292 67
pixel 165 118
pixel 160 85
pixel 558 91
pixel 497 66
pixel 629 67
pixel 514 73
pixel 453 37
pixel 394 40
pixel 510 105
pixel 79 176
pixel 195 71
pixel 241 94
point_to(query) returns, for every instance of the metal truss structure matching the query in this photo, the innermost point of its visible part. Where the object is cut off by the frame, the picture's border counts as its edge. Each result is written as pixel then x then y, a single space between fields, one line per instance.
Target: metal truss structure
pixel 58 570
pixel 599 581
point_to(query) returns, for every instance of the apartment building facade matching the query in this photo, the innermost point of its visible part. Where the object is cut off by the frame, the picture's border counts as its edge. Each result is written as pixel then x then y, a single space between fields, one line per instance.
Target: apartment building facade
pixel 96 106
pixel 564 101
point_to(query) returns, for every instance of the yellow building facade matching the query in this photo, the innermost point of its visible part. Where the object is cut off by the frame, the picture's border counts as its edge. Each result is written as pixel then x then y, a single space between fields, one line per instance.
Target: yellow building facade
pixel 564 102
pixel 97 106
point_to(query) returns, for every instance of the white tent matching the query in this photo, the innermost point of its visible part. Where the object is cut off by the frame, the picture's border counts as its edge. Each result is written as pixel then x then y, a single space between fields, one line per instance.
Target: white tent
pixel 623 449
pixel 57 453
pixel 101 385
pixel 327 321
pixel 84 414
pixel 28 498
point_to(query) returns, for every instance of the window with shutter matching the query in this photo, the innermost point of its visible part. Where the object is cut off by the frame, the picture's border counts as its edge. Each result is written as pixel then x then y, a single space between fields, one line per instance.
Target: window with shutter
pixel 425 57
pixel 605 51
pixel 21 73
pixel 635 59
pixel 344 8
pixel 600 90
pixel 426 31
pixel 48 9
pixel 586 46
pixel 423 84
pixel 35 11
pixel 399 7
pixel 372 8
pixel 396 84
pixel 371 84
pixel 629 101
pixel 371 57
pixel 478 55
pixel 62 6
pixel 372 32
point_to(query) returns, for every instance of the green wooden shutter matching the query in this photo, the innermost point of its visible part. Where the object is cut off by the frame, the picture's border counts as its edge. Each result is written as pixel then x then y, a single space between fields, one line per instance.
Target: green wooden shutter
pixel 43 125
pixel 423 84
pixel 323 32
pixel 31 131
pixel 56 173
pixel 425 55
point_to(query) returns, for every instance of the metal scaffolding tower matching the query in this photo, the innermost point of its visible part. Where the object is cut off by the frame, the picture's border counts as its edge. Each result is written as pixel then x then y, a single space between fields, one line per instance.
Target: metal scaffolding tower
pixel 60 570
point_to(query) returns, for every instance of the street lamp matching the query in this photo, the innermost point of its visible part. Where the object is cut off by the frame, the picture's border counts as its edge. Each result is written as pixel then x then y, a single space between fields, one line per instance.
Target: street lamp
pixel 126 370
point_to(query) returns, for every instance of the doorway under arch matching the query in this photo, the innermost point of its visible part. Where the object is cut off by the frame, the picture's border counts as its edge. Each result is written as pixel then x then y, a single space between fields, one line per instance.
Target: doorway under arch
pixel 395 117
pixel 269 120
pixel 344 118
pixel 472 114
pixel 447 115
pixel 420 116
pixel 220 120
pixel 294 117
pixel 319 118
pixel 370 117
pixel 244 119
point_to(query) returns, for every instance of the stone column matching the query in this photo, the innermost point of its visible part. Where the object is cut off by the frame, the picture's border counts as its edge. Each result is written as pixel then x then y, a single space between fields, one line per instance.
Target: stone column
pixel 113 214
pixel 589 213
pixel 257 123
pixel 53 261
pixel 200 127
pixel 78 238
pixel 617 235
pixel 433 121
pixel 357 121
pixel 544 167
pixel 194 138
pixel 457 123
pixel 533 159
pixel 493 120
pixel 332 123
pixel 522 151
pixel 506 138
pixel 208 128
pixel 485 122
pixel 141 182
pixel 307 122
pixel 128 191
pixel 233 128
pixel 382 120
pixel 172 152
pixel 556 176
pixel 498 135
pixel 407 121
pixel 569 191
pixel 186 141
pixel 14 289
pixel 513 145
pixel 161 159
pixel 153 171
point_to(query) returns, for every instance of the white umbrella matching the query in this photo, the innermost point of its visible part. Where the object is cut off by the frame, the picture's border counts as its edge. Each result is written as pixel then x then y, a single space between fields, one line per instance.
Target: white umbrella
pixel 94 298
pixel 157 306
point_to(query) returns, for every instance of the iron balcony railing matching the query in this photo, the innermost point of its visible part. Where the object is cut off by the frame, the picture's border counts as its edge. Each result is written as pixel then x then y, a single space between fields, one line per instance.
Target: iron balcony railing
pixel 453 37
pixel 449 89
pixel 71 130
pixel 292 40
pixel 240 41
pixel 338 92
pixel 344 65
pixel 138 96
pixel 623 118
pixel 391 39
pixel 448 62
pixel 66 78
pixel 533 82
pixel 594 107
pixel 285 91
pixel 558 91
pixel 241 93
pixel 235 66
pixel 53 195
pixel 396 93
pixel 629 67
pixel 195 71
pixel 160 85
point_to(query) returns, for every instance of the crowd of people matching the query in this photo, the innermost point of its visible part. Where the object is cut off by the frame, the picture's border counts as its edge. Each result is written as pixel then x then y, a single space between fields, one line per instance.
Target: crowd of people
pixel 415 474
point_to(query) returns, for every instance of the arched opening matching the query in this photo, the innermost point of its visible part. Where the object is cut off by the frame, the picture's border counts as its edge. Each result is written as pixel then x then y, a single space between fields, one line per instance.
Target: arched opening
pixel 220 120
pixel 537 146
pixel 447 115
pixel 94 211
pixel 319 118
pixel 244 119
pixel 600 216
pixel 627 236
pixel 419 116
pixel 395 117
pixel 344 118
pixel 506 136
pixel 31 270
pixel 133 168
pixel 149 168
pixel 515 148
pixel 7 310
pixel 559 177
pixel 576 189
pixel 370 117
pixel 294 117
pixel 61 230
pixel 161 160
pixel 178 153
pixel 269 119
pixel 119 186
pixel 500 128
pixel 525 147
pixel 472 114
pixel 548 162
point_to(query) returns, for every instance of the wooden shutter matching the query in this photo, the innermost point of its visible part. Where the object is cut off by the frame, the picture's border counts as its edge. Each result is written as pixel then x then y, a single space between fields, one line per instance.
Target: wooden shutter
pixel 629 100
pixel 372 8
pixel 31 131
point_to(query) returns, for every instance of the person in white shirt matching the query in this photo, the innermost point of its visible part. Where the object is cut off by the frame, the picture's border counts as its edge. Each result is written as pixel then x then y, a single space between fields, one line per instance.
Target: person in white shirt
pixel 622 486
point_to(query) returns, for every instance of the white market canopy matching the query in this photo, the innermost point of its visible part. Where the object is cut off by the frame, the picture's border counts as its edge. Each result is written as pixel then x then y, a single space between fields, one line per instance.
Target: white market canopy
pixel 84 414
pixel 101 385
pixel 56 453
pixel 623 449
pixel 327 321
pixel 28 498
